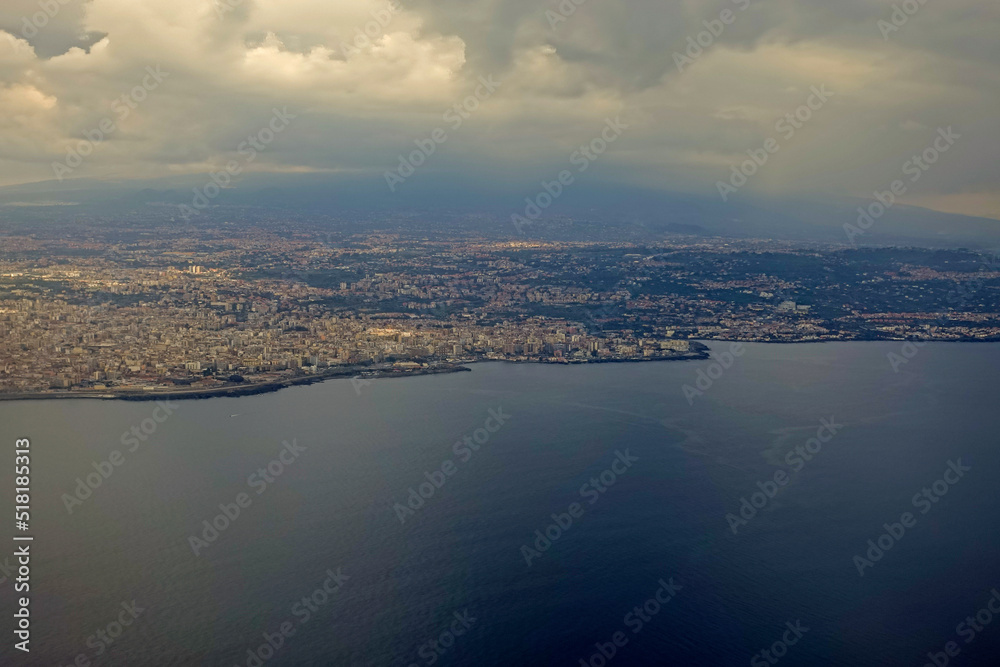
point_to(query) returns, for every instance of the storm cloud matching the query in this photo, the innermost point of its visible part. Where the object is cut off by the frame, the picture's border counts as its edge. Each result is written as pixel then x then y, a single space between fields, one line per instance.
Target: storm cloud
pixel 699 83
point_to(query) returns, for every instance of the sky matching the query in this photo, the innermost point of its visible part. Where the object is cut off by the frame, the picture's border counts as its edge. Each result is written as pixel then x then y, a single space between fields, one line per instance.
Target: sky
pixel 144 89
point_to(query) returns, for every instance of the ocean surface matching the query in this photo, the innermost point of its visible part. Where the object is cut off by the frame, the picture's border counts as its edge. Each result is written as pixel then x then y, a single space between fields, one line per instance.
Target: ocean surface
pixel 640 475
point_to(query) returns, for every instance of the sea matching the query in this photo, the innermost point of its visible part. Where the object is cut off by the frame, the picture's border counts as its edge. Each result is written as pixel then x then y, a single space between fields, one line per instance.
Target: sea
pixel 801 504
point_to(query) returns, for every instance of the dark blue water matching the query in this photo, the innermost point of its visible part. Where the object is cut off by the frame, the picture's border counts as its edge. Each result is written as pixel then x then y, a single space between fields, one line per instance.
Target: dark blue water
pixel 663 518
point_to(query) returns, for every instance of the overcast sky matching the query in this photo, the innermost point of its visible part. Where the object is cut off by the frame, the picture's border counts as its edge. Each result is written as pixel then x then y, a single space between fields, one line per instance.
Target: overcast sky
pixel 227 64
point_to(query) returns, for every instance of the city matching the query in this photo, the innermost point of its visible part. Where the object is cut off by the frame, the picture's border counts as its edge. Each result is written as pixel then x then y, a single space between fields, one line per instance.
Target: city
pixel 121 312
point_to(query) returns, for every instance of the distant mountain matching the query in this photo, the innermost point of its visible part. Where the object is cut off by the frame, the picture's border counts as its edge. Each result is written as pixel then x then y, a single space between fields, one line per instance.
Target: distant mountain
pixel 581 212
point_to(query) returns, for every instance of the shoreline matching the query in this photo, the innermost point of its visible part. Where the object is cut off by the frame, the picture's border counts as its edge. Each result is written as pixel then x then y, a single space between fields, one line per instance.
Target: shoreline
pixel 233 391
pixel 253 389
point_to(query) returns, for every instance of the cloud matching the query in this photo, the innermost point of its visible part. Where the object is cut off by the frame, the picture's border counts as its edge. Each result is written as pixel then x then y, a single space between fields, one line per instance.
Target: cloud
pixel 366 80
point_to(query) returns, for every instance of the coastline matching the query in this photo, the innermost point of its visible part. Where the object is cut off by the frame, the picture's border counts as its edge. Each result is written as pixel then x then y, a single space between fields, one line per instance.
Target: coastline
pixel 233 391
pixel 252 389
